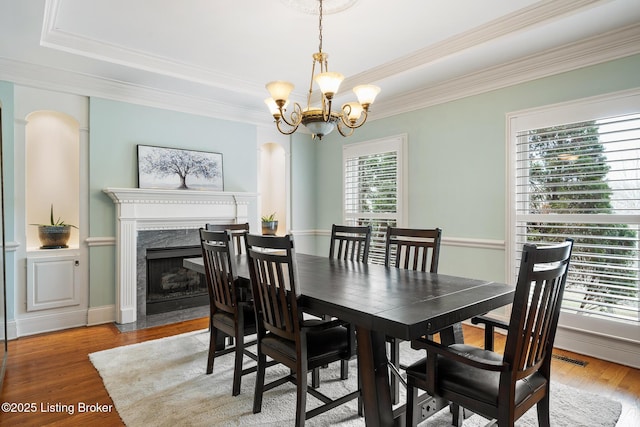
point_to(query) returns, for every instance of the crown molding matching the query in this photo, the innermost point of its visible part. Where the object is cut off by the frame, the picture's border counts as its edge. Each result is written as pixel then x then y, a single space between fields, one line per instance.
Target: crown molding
pixel 595 50
pixel 605 47
pixel 67 81
pixel 515 22
pixel 54 38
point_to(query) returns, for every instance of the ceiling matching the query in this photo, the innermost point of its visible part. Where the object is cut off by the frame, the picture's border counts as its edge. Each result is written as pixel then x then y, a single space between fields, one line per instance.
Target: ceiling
pixel 213 57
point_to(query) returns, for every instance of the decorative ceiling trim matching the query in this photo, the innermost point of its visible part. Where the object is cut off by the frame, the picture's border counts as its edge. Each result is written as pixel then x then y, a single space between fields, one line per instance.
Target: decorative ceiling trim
pixel 311 6
pixel 606 47
pixel 536 14
pixel 595 50
pixel 54 38
pixel 49 78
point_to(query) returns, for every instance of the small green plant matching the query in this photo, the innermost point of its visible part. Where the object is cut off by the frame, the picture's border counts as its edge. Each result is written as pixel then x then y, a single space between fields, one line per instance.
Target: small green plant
pixel 55 223
pixel 269 218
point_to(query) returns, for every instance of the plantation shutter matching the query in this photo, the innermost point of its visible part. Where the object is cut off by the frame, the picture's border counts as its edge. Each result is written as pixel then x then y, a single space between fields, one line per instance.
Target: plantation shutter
pixel 372 189
pixel 582 180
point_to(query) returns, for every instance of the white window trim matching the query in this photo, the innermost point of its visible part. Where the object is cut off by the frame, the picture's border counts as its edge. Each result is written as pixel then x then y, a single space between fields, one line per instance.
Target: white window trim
pixel 608 340
pixel 396 143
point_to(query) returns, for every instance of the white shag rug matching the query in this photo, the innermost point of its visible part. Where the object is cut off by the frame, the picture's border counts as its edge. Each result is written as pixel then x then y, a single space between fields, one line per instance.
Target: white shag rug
pixel 163 383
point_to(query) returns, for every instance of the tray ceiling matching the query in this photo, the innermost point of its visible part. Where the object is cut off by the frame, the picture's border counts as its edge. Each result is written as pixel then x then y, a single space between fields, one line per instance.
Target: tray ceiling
pixel 219 54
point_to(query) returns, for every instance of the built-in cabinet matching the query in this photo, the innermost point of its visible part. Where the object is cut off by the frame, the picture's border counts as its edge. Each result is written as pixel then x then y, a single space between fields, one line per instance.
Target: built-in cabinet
pixel 53 280
pixel 52 142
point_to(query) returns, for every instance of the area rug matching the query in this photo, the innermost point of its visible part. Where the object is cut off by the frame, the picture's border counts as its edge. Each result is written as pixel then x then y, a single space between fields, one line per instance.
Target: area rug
pixel 163 383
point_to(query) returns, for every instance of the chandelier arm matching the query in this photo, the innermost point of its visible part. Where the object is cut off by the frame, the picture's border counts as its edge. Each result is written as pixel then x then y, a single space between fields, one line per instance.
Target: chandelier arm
pixel 342 132
pixel 355 125
pixel 295 118
pixel 286 132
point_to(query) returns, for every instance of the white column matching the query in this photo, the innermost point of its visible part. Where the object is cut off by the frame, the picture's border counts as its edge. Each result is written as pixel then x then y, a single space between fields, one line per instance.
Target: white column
pixel 126 293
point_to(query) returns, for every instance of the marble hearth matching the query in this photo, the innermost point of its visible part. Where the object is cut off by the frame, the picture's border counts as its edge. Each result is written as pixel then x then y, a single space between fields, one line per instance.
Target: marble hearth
pixel 172 212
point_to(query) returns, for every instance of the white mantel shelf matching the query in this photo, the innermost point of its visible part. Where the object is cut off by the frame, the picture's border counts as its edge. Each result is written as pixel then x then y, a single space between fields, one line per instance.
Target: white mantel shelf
pixel 155 195
pixel 158 209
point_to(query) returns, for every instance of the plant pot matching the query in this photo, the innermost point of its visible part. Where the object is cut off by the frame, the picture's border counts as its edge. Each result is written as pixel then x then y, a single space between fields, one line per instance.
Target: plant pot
pixel 269 228
pixel 54 236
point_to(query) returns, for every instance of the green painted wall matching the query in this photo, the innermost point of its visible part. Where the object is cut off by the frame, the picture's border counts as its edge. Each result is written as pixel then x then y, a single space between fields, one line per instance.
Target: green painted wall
pixel 303 197
pixel 457 166
pixel 7 101
pixel 116 129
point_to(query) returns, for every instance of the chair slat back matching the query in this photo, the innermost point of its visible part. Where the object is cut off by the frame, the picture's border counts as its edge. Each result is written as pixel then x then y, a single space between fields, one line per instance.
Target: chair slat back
pixel 220 268
pixel 237 232
pixel 350 242
pixel 272 267
pixel 536 307
pixel 413 249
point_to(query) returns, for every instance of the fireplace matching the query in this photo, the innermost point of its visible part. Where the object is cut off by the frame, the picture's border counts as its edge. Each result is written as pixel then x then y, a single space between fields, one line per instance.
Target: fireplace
pixel 170 286
pixel 152 218
pixel 165 250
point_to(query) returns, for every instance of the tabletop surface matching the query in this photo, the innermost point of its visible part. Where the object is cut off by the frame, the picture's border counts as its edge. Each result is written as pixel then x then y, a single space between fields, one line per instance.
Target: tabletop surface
pixel 401 303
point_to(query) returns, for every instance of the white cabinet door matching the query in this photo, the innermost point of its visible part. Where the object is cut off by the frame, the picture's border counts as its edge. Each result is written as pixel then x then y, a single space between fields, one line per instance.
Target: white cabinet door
pixel 52 282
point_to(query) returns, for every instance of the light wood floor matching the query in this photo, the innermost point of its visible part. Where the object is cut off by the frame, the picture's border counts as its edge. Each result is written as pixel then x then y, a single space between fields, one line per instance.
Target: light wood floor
pixel 52 370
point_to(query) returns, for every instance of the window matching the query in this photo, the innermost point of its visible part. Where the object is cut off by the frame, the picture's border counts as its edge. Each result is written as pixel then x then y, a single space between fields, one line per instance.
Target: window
pixel 575 172
pixel 374 190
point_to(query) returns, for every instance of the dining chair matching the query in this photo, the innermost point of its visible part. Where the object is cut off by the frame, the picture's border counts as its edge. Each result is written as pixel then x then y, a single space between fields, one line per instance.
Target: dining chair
pixel 349 243
pixel 230 313
pixel 237 231
pixel 410 249
pixel 502 387
pixel 283 334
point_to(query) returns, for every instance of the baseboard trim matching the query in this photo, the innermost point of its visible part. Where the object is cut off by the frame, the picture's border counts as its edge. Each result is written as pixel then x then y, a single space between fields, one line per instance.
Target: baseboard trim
pixel 50 322
pixel 610 349
pixel 101 315
pixel 12 330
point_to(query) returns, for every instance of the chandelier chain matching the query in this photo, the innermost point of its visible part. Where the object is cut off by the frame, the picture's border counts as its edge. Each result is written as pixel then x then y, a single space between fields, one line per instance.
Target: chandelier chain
pixel 320 29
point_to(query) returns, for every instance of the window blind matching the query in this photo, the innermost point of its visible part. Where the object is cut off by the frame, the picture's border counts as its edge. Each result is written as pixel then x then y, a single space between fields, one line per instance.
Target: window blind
pixel 371 195
pixel 582 180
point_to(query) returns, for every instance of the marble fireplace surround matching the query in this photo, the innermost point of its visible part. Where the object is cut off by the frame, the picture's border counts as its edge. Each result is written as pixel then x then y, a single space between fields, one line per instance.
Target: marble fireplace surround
pixel 139 209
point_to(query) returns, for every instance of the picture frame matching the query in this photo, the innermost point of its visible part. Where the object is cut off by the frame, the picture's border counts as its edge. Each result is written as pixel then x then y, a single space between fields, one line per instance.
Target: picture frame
pixel 179 169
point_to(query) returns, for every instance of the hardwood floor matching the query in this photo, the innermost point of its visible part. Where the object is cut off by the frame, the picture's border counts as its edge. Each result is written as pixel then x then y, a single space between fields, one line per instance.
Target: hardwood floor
pixel 51 374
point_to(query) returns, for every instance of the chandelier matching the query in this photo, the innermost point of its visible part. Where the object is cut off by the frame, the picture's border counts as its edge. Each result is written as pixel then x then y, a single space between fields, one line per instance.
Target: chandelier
pixel 320 120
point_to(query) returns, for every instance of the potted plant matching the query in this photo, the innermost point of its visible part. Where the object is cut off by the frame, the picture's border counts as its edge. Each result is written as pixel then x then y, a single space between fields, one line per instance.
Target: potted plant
pixel 54 235
pixel 269 224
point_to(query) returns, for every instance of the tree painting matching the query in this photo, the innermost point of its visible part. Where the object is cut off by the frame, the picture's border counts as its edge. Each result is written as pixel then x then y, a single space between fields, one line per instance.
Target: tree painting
pixel 183 169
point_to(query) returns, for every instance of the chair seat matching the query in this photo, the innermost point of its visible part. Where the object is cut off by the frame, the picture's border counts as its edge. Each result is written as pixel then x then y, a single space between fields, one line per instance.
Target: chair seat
pixel 222 317
pixel 324 343
pixel 477 384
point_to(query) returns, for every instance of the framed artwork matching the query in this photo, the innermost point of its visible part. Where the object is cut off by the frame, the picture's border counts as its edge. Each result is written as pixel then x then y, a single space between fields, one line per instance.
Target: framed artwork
pixel 160 167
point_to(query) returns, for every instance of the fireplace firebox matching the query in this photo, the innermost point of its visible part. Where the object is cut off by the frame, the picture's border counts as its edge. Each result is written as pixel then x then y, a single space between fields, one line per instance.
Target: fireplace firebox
pixel 170 286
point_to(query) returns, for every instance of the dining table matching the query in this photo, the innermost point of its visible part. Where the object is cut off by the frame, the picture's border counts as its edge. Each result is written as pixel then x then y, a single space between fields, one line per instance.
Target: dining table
pixel 387 301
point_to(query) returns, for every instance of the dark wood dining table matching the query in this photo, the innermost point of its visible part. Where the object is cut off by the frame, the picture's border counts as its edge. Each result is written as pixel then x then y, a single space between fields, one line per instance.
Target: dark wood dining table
pixel 386 301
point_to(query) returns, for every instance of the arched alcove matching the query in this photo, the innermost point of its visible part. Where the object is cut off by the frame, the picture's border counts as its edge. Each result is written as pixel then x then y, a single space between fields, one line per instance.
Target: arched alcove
pixel 273 186
pixel 52 172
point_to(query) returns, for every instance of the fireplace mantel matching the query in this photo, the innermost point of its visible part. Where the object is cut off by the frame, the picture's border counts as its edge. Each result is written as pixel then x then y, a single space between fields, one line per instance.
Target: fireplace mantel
pixel 157 209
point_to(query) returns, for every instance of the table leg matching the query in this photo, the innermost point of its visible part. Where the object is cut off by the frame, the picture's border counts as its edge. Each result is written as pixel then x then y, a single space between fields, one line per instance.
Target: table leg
pixel 374 374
